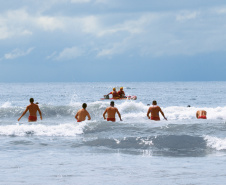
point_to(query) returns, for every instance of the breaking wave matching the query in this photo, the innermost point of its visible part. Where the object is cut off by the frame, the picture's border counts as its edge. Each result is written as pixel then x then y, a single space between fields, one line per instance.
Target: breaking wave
pixel 63 130
pixel 129 110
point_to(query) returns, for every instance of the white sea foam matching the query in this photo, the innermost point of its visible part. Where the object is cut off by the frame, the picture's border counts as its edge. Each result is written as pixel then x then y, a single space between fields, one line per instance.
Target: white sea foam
pixel 139 110
pixel 42 130
pixel 216 143
pixel 130 110
pixel 179 142
pixel 6 105
pixel 132 107
pixel 145 142
pixel 181 113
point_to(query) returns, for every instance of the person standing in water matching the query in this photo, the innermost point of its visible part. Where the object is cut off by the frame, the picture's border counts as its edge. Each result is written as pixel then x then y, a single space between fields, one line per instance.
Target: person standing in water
pixel 82 113
pixel 111 111
pixel 201 114
pixel 32 108
pixel 154 110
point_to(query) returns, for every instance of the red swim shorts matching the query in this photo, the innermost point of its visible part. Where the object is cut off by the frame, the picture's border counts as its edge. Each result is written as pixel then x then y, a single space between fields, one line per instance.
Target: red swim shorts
pixel 111 119
pixel 32 118
pixel 155 118
pixel 202 117
pixel 79 121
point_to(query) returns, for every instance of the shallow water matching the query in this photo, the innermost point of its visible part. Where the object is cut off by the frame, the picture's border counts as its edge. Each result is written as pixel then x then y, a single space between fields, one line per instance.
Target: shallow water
pixel 58 150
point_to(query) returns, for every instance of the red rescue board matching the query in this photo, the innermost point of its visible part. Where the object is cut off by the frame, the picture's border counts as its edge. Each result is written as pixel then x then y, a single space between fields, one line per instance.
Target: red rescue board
pixel 127 98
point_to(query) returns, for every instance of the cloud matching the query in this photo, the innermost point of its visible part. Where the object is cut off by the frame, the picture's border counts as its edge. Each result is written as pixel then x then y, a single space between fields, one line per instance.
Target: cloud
pixel 131 27
pixel 14 24
pixel 80 1
pixel 221 10
pixel 102 1
pixel 51 56
pixel 17 23
pixel 186 16
pixel 186 32
pixel 48 23
pixel 115 48
pixel 69 53
pixel 88 1
pixel 167 34
pixel 89 24
pixel 16 53
pixel 4 33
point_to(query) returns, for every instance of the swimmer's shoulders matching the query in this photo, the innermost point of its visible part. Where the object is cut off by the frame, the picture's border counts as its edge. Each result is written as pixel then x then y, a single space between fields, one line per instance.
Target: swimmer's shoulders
pixel 155 108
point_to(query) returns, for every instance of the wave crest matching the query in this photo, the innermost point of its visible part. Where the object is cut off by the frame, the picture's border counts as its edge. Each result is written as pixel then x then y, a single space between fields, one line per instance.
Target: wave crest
pixel 128 109
pixel 63 130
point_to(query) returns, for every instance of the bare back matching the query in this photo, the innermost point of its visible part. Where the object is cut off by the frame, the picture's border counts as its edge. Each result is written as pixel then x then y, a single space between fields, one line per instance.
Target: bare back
pixel 33 108
pixel 154 110
pixel 81 115
pixel 111 111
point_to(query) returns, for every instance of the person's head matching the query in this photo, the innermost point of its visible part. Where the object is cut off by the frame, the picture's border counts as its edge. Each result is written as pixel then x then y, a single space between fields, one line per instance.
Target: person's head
pixel 154 102
pixel 31 100
pixel 84 105
pixel 114 89
pixel 121 88
pixel 112 103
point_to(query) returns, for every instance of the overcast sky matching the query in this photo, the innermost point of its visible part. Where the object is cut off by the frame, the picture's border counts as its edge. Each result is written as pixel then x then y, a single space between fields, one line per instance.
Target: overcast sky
pixel 112 40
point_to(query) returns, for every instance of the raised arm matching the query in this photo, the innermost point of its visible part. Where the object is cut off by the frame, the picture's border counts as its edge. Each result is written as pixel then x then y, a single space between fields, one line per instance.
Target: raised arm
pixel 119 115
pixel 23 113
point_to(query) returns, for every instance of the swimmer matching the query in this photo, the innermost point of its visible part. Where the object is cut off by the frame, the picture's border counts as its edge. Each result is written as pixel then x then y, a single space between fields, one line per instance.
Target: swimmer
pixel 82 113
pixel 111 111
pixel 154 110
pixel 201 114
pixel 33 108
pixel 121 93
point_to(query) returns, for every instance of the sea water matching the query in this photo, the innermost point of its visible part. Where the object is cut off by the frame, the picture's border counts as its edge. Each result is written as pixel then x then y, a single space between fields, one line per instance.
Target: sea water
pixel 58 150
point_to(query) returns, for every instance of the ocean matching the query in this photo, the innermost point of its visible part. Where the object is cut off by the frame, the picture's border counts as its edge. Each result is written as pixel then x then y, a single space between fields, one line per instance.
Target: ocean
pixel 58 150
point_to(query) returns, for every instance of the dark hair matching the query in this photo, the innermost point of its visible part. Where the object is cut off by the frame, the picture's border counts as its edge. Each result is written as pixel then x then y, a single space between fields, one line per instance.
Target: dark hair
pixel 112 103
pixel 32 100
pixel 84 105
pixel 154 102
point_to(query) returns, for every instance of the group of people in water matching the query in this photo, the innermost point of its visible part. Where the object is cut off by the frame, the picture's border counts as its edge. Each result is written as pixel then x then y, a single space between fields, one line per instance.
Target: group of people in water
pixel 117 95
pixel 111 111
